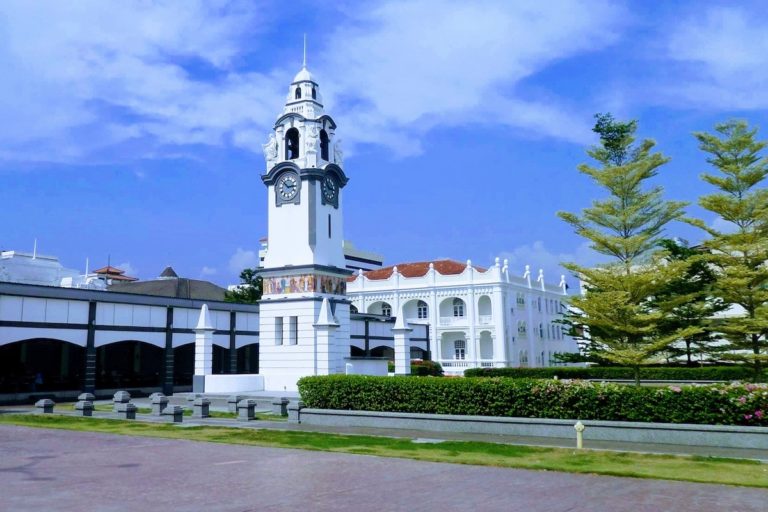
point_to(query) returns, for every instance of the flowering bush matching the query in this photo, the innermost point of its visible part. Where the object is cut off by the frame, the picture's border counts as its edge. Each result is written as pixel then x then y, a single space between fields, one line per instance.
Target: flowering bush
pixel 717 404
pixel 722 373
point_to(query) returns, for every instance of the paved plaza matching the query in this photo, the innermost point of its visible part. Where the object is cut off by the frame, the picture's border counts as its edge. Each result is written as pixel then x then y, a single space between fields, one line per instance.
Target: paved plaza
pixel 64 470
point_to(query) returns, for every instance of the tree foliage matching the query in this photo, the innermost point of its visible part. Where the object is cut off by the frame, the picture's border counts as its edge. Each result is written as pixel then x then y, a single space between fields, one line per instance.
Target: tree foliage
pixel 250 289
pixel 616 317
pixel 739 253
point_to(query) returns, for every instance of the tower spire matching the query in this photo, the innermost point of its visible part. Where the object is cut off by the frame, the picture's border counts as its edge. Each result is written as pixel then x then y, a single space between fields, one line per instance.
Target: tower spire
pixel 304 61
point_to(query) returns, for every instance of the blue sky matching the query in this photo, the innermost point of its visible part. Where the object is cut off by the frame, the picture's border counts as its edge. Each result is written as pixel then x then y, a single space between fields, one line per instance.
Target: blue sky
pixel 134 129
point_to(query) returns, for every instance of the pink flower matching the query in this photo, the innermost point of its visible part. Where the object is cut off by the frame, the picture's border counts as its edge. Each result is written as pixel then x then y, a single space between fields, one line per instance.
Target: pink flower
pixel 742 399
pixel 675 389
pixel 759 414
pixel 747 416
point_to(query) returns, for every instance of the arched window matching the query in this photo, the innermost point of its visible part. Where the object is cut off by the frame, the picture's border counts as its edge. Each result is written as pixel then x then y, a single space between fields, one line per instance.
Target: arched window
pixel 298 93
pixel 422 310
pixel 386 309
pixel 324 145
pixel 292 144
pixel 458 307
pixel 459 349
pixel 521 327
pixel 541 331
pixel 520 300
pixel 352 309
pixel 314 93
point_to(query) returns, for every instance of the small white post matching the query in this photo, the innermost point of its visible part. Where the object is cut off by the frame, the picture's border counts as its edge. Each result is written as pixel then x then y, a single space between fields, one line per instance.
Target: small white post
pixel 402 332
pixel 579 427
pixel 204 343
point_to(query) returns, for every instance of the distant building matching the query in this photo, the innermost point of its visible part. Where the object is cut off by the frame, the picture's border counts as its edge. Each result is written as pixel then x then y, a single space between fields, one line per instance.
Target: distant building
pixel 169 284
pixel 354 258
pixel 478 317
pixel 110 274
pixel 32 268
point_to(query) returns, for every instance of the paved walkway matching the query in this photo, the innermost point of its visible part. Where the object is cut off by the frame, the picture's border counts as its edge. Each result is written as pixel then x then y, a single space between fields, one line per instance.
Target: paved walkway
pixel 58 470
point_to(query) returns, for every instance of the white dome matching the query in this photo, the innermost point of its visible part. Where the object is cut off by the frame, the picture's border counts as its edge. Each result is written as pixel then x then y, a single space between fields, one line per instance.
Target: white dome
pixel 303 75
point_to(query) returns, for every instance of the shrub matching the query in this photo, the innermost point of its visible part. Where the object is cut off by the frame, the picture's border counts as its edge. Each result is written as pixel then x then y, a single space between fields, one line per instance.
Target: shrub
pixel 421 368
pixel 720 404
pixel 717 373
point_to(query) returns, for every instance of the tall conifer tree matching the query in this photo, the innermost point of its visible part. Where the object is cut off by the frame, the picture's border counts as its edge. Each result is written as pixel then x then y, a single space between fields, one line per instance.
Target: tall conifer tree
pixel 616 317
pixel 739 252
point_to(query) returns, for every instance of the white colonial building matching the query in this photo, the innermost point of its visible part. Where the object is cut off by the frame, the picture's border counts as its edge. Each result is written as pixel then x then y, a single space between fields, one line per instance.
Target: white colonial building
pixel 478 317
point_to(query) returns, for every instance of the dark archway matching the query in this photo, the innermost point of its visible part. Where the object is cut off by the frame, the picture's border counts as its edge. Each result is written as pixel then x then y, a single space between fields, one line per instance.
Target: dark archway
pixel 356 352
pixel 41 365
pixel 220 363
pixel 324 145
pixel 128 364
pixel 183 364
pixel 297 94
pixel 383 351
pixel 248 358
pixel 292 144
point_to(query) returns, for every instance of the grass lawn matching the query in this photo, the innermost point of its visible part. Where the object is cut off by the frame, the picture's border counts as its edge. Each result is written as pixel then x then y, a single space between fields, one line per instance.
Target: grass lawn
pixel 669 467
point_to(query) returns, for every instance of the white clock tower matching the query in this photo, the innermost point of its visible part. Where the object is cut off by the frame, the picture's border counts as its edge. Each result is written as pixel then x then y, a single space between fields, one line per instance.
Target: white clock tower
pixel 304 312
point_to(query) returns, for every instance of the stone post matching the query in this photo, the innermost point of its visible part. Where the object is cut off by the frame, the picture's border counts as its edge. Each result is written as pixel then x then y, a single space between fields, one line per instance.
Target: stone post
pixel 121 397
pixel 325 341
pixel 159 403
pixel 84 407
pixel 402 333
pixel 232 402
pixel 203 350
pixel 200 408
pixel 174 413
pixel 294 412
pixel 246 409
pixel 280 406
pixel 126 410
pixel 88 397
pixel 45 405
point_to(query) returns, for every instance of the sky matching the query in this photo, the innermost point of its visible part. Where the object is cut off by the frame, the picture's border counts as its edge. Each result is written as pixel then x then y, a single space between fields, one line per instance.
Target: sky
pixel 131 131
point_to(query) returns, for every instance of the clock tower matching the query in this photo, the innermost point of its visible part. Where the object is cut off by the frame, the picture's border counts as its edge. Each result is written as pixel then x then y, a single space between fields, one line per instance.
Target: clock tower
pixel 304 313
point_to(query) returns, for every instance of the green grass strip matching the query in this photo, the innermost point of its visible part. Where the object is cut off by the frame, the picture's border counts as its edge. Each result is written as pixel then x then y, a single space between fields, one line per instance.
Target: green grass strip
pixel 712 470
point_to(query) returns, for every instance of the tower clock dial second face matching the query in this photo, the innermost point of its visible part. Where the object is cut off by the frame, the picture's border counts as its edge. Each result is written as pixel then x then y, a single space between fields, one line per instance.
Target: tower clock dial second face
pixel 287 187
pixel 330 189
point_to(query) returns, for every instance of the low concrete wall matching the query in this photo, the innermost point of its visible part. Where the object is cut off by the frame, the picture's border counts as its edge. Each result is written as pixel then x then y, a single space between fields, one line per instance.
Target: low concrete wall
pixel 626 431
pixel 231 383
pixel 366 366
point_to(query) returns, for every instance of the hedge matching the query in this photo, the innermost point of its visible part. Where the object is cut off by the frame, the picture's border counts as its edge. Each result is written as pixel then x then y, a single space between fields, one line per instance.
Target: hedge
pixel 718 373
pixel 421 368
pixel 718 404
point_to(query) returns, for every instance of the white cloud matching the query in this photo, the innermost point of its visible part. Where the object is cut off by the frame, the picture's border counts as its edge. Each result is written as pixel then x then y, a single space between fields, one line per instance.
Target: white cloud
pixel 414 65
pixel 242 259
pixel 539 257
pixel 128 268
pixel 208 271
pixel 722 55
pixel 78 77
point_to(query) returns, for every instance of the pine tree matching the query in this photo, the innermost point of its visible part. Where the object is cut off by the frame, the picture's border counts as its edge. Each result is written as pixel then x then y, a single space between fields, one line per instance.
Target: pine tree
pixel 739 254
pixel 616 317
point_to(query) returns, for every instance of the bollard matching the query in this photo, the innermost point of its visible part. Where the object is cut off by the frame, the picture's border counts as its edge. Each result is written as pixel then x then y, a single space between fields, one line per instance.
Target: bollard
pixel 294 412
pixel 126 410
pixel 175 413
pixel 232 402
pixel 45 405
pixel 245 410
pixel 121 397
pixel 84 407
pixel 156 393
pixel 159 403
pixel 280 406
pixel 200 408
pixel 579 426
pixel 86 397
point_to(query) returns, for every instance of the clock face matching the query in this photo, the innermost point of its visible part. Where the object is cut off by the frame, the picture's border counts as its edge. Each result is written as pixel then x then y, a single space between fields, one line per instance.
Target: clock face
pixel 287 187
pixel 330 189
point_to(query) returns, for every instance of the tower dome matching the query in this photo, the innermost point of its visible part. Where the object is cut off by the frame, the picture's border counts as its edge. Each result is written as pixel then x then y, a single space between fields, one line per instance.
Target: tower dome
pixel 304 96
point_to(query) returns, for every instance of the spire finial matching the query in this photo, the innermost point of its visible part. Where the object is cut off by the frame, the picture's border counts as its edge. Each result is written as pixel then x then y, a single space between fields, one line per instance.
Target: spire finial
pixel 304 62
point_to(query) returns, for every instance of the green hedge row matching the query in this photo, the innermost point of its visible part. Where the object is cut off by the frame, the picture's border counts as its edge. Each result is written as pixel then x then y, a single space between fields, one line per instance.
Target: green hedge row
pixel 720 404
pixel 721 373
pixel 421 368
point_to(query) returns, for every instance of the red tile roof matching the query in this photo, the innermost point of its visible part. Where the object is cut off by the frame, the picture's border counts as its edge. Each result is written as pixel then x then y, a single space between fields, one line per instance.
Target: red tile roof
pixel 419 269
pixel 114 273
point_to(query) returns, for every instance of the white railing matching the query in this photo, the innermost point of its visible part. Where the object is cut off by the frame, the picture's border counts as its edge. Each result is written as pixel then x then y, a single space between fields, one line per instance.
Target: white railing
pixel 455 363
pixel 453 320
pixel 466 363
pixel 485 319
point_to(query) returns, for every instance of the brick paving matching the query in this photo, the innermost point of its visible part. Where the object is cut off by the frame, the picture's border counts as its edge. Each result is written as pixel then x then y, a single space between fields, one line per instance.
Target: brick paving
pixel 56 470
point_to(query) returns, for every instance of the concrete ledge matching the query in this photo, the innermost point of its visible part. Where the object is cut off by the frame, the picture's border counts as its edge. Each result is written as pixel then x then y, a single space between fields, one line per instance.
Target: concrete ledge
pixel 227 383
pixel 626 431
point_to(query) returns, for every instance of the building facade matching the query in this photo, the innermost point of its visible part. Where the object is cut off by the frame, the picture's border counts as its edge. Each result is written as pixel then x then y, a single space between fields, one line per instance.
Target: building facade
pixel 477 317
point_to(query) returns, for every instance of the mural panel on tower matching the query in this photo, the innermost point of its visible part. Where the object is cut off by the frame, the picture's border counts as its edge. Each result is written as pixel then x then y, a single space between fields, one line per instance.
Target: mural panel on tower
pixel 305 283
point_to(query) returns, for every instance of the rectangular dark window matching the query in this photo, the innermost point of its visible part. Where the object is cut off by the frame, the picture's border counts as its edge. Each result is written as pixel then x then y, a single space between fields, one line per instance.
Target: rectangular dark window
pixel 329 225
pixel 278 330
pixel 293 331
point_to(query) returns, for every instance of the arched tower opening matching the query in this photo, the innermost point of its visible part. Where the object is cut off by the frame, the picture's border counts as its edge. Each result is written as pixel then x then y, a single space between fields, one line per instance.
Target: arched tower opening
pixel 292 144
